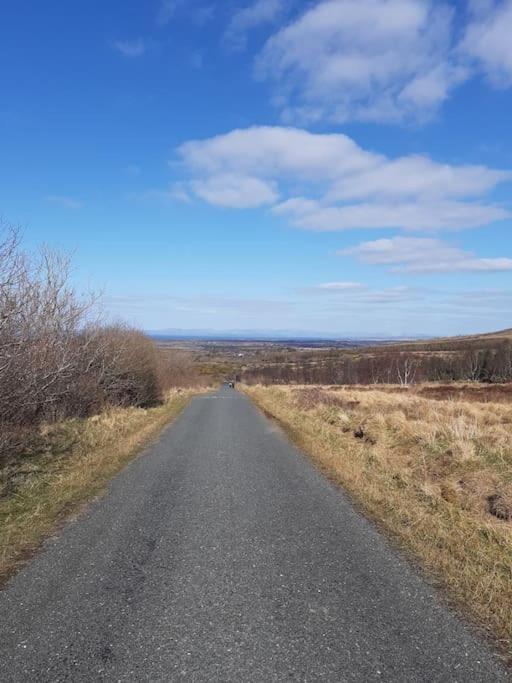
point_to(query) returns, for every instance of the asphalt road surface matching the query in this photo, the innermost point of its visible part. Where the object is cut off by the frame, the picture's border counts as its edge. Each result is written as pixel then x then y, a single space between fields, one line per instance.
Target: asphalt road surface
pixel 221 554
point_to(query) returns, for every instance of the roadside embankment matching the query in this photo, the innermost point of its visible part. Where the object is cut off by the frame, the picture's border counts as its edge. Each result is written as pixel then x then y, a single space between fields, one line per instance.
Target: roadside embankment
pixel 435 474
pixel 74 461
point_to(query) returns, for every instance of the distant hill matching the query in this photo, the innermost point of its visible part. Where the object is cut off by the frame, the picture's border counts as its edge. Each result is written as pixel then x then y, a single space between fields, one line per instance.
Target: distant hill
pixel 483 340
pixel 504 334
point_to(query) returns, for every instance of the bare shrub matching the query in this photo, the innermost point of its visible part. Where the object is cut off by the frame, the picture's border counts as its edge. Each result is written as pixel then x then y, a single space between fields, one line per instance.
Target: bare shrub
pixel 40 317
pixel 177 368
pixel 127 368
pixel 57 358
pixel 484 359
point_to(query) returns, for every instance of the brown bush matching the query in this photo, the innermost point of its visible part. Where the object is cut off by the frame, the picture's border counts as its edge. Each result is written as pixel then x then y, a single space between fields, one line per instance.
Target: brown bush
pixel 126 368
pixel 57 358
pixel 177 368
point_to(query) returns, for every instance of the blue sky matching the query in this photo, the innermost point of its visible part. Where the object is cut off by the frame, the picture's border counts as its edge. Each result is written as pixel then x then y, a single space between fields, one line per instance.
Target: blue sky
pixel 332 166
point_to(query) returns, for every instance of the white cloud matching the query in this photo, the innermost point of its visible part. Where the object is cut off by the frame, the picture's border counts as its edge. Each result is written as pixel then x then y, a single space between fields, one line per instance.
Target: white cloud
pixel 426 91
pixel 239 192
pixel 130 48
pixel 424 255
pixel 488 40
pixel 417 176
pixel 276 151
pixel 66 202
pixel 331 287
pixel 363 59
pixel 253 15
pixel 435 215
pixel 328 182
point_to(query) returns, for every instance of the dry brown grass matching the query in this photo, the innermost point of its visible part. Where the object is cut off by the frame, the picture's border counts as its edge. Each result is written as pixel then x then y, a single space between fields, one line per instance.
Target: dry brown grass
pixel 81 455
pixel 436 474
pixel 456 391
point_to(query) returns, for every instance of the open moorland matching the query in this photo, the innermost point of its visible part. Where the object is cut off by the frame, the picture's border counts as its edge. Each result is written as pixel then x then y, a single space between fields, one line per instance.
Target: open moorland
pixel 485 358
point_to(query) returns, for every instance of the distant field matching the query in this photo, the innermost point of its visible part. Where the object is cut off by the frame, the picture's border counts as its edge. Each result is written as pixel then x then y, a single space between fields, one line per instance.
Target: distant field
pixel 485 357
pixel 438 391
pixel 432 464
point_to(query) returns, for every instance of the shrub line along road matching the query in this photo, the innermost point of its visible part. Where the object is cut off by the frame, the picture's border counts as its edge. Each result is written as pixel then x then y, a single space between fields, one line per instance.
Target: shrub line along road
pixel 221 554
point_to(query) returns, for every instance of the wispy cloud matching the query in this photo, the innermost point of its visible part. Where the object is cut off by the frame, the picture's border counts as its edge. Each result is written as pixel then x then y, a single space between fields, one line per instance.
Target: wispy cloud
pixel 199 14
pixel 235 191
pixel 130 48
pixel 412 215
pixel 488 41
pixel 389 310
pixel 256 13
pixel 64 201
pixel 363 59
pixel 203 304
pixel 333 287
pixel 424 255
pixel 176 192
pixel 166 11
pixel 203 14
pixel 342 185
pixel 362 296
pixel 382 60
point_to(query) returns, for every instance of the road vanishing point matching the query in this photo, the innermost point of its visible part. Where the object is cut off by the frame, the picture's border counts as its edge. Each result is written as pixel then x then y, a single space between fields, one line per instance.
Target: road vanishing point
pixel 222 554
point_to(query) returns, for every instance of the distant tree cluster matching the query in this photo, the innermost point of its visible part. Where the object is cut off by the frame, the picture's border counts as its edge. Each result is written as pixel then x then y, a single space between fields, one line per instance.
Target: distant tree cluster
pixel 389 366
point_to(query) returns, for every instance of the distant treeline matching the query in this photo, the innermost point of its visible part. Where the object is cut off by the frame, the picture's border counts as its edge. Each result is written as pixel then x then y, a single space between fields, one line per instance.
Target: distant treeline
pixel 388 366
pixel 58 358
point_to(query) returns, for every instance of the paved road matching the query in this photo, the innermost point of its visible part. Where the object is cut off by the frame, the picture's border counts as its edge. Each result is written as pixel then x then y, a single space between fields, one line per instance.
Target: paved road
pixel 223 555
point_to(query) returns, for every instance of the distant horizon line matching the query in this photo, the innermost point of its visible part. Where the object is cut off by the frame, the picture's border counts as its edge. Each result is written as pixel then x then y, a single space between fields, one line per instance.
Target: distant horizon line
pixel 271 335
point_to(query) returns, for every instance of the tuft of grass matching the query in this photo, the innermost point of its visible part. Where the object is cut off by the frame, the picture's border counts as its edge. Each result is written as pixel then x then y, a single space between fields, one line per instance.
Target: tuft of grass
pixel 436 474
pixel 77 459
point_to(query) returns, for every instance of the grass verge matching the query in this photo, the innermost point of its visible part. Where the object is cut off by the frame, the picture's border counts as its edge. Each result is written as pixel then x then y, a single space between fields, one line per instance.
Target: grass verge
pixel 79 457
pixel 435 474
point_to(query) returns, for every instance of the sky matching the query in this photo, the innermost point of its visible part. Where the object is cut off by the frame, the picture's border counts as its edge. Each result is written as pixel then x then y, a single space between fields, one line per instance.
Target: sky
pixel 331 167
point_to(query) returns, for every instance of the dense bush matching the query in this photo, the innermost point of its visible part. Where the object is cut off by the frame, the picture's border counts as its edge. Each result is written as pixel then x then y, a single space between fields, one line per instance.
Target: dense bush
pixel 57 359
